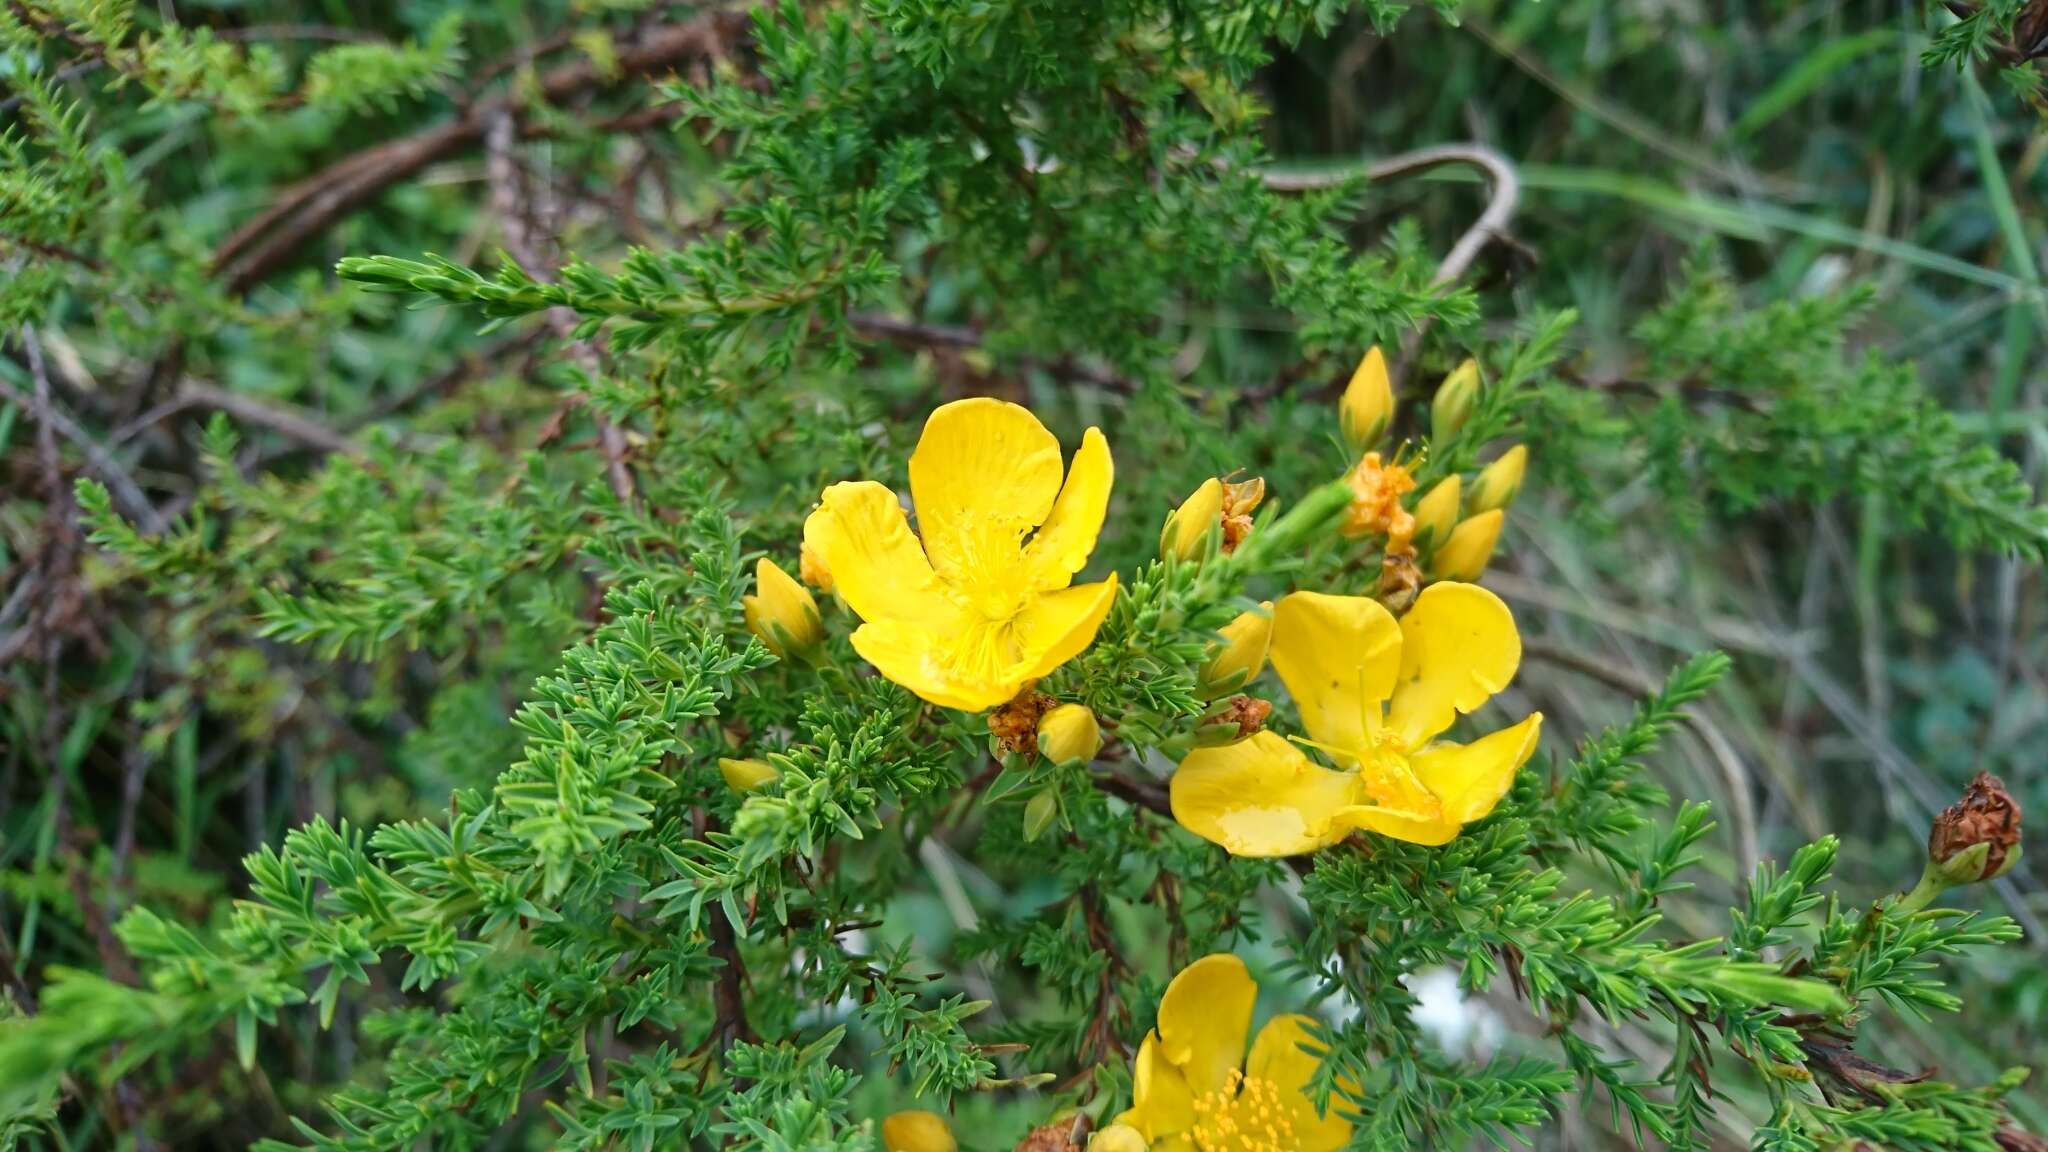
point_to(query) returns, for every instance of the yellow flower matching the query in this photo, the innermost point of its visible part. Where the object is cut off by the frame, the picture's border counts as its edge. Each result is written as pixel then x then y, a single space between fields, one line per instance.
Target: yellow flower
pixel 781 612
pixel 917 1131
pixel 1240 500
pixel 747 775
pixel 1452 405
pixel 1187 530
pixel 984 606
pixel 1375 695
pixel 1195 1088
pixel 1499 481
pixel 1069 732
pixel 1243 654
pixel 1376 491
pixel 1437 512
pixel 1368 404
pixel 1464 554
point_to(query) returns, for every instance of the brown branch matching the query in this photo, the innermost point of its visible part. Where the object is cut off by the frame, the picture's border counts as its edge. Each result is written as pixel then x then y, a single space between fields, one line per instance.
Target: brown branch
pixel 56 422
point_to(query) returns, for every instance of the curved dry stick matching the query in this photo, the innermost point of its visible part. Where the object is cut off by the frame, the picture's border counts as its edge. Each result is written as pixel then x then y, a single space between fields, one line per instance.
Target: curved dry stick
pixel 1492 223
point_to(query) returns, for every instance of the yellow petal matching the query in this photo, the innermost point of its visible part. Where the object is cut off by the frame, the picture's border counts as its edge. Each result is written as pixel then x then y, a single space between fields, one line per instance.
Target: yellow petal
pixel 936 660
pixel 1161 1101
pixel 1398 823
pixel 747 775
pixel 1471 778
pixel 1204 1019
pixel 1117 1138
pixel 1338 656
pixel 858 532
pixel 1063 543
pixel 1187 530
pixel 1459 646
pixel 1054 628
pixel 917 1131
pixel 1261 797
pixel 1277 1058
pixel 1368 403
pixel 984 473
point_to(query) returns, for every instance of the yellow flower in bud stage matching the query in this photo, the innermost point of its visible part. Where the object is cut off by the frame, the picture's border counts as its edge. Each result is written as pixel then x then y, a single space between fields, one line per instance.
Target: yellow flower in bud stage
pixel 1187 530
pixel 747 775
pixel 1375 694
pixel 781 612
pixel 987 604
pixel 1464 554
pixel 1069 732
pixel 1452 405
pixel 1368 403
pixel 1499 481
pixel 1117 1138
pixel 917 1131
pixel 1437 513
pixel 1376 491
pixel 812 570
pixel 1243 654
pixel 1195 1088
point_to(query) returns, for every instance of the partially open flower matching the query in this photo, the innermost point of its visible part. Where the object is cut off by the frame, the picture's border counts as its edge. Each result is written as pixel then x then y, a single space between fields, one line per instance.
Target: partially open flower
pixel 918 1131
pixel 1977 837
pixel 781 612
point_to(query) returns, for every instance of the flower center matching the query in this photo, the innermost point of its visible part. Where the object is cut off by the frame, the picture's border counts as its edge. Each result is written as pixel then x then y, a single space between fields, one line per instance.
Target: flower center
pixel 1246 1115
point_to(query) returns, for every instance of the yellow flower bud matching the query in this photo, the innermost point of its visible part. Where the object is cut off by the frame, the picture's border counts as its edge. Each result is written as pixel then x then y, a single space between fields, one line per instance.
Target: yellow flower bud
pixel 1464 555
pixel 1243 654
pixel 1069 732
pixel 917 1131
pixel 745 776
pixel 1499 481
pixel 1437 513
pixel 1117 1138
pixel 1454 399
pixel 1368 404
pixel 782 613
pixel 811 570
pixel 1187 530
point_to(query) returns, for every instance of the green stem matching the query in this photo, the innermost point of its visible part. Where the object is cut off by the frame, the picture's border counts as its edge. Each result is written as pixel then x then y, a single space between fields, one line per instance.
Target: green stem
pixel 1923 893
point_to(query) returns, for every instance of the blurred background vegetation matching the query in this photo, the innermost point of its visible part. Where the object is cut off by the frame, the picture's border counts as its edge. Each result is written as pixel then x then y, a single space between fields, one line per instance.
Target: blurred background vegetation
pixel 1766 216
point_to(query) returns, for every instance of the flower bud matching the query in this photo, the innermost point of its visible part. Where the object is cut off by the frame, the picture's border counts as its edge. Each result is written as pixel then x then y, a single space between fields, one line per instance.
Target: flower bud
pixel 782 613
pixel 1464 555
pixel 1243 654
pixel 1499 481
pixel 1368 403
pixel 1977 837
pixel 1452 405
pixel 1437 513
pixel 744 776
pixel 1117 1138
pixel 811 569
pixel 1069 732
pixel 1187 530
pixel 917 1131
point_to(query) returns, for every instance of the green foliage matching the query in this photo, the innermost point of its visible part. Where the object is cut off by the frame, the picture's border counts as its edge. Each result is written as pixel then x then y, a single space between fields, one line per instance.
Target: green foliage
pixel 392 757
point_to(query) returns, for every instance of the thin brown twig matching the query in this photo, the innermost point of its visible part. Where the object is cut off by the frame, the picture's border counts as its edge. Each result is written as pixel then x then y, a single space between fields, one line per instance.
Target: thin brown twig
pixel 56 422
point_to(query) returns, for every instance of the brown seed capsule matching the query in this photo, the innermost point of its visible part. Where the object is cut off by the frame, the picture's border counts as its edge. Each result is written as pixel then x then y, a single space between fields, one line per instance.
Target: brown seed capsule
pixel 1977 837
pixel 1400 582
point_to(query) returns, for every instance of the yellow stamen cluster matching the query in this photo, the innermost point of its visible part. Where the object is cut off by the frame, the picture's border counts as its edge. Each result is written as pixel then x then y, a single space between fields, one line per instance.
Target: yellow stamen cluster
pixel 1246 1115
